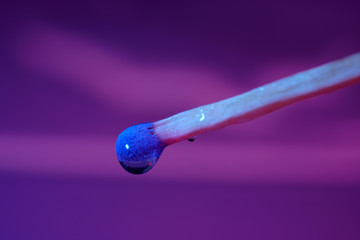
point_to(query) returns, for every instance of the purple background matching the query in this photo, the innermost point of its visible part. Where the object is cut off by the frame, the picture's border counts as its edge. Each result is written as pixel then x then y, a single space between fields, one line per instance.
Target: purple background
pixel 74 74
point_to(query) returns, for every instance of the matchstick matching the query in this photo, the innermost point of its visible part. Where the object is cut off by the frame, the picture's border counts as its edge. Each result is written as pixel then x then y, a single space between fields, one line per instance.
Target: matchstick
pixel 139 146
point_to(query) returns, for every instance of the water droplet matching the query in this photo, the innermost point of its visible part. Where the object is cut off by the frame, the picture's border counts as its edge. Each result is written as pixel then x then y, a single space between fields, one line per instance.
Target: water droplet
pixel 202 117
pixel 191 139
pixel 138 148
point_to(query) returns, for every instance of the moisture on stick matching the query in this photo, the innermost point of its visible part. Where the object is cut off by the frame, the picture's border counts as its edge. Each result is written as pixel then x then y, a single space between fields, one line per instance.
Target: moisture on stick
pixel 139 147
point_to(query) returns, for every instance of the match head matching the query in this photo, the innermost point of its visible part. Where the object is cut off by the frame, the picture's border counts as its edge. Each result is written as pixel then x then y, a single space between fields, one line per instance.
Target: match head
pixel 138 148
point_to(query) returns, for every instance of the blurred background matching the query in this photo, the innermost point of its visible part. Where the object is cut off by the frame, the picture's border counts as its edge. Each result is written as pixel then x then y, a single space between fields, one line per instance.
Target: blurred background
pixel 74 74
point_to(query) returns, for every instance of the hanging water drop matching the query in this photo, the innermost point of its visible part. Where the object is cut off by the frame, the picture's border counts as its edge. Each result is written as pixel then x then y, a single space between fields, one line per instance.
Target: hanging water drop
pixel 191 139
pixel 138 148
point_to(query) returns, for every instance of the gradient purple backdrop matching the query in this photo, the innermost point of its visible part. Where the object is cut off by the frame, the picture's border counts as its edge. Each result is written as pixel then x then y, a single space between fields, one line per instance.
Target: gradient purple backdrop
pixel 74 74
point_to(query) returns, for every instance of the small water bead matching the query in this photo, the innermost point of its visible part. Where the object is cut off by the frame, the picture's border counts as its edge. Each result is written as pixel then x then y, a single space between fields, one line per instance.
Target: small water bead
pixel 202 115
pixel 191 139
pixel 138 148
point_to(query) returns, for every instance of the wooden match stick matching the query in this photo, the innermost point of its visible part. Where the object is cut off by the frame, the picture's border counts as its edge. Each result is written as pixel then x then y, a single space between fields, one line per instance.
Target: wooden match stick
pixel 139 147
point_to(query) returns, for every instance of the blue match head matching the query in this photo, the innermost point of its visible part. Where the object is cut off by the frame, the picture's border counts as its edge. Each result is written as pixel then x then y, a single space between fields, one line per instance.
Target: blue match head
pixel 138 148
